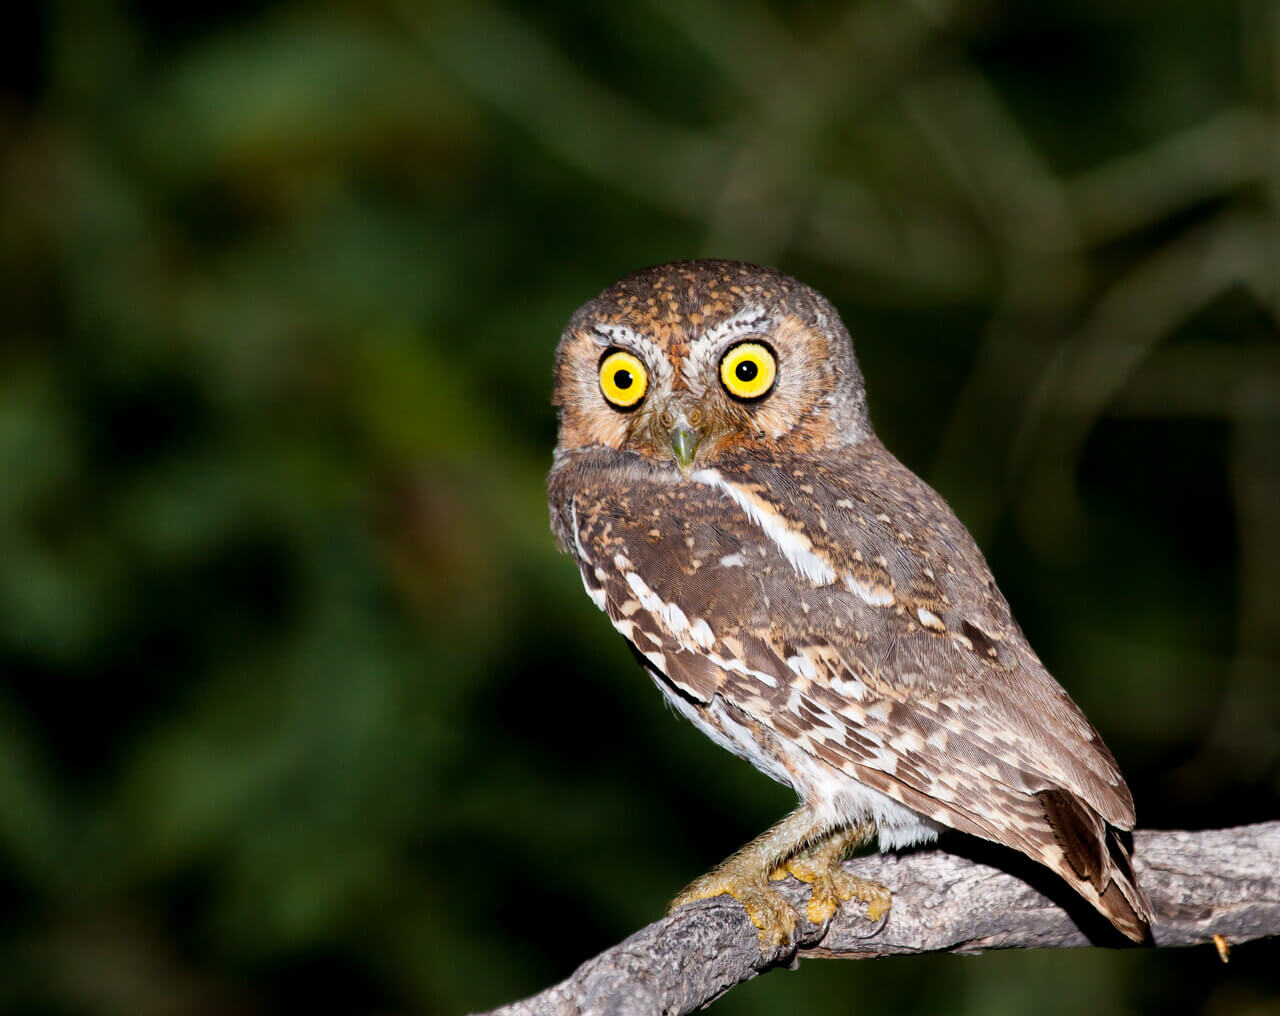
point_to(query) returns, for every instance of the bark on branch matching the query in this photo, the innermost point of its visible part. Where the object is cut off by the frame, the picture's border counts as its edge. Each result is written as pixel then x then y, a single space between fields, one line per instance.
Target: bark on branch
pixel 1217 882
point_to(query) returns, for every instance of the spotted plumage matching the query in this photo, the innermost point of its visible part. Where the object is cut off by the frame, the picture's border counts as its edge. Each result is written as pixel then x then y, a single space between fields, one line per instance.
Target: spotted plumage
pixel 802 597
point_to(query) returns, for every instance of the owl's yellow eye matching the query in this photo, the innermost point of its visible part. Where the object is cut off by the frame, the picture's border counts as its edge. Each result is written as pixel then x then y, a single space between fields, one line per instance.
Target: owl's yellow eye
pixel 748 370
pixel 623 379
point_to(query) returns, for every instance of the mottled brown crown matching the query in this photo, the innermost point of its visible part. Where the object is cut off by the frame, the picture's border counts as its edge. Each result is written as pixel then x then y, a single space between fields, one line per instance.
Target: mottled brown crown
pixel 676 302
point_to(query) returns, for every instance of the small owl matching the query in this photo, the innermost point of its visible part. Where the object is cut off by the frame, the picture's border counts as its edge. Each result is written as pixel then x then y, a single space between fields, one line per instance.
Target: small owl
pixel 809 603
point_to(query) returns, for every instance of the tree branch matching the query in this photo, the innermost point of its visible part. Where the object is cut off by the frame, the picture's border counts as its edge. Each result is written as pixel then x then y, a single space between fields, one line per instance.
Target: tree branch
pixel 1217 882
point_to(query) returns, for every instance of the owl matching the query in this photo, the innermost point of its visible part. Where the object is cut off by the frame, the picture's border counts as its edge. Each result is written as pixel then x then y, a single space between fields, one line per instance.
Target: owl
pixel 809 603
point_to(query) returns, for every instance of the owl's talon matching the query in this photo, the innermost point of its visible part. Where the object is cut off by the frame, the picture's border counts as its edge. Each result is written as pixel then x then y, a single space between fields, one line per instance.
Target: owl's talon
pixel 768 910
pixel 877 897
pixel 832 885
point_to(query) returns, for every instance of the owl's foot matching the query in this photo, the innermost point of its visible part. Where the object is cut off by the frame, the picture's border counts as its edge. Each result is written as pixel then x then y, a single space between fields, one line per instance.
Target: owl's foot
pixel 766 907
pixel 832 885
pixel 820 868
pixel 744 877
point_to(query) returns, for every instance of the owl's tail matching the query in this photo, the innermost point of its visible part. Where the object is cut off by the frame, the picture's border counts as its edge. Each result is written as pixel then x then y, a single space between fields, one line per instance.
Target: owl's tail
pixel 1096 862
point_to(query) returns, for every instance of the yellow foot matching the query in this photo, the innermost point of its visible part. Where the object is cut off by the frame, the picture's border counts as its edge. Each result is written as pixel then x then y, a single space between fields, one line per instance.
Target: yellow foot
pixel 819 866
pixel 832 885
pixel 767 909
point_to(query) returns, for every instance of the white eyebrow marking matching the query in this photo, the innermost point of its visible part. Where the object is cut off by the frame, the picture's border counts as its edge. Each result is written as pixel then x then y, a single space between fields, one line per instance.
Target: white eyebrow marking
pixel 752 318
pixel 607 334
pixel 705 350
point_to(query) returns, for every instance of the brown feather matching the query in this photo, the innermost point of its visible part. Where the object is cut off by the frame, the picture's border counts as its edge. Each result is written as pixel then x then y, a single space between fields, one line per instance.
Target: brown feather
pixel 1079 832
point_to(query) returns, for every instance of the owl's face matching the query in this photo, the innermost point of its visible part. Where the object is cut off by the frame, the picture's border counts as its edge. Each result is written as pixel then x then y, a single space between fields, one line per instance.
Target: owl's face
pixel 684 362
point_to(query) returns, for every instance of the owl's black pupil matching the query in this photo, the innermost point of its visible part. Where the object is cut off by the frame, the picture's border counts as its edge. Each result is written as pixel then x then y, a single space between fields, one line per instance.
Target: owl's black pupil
pixel 746 370
pixel 623 378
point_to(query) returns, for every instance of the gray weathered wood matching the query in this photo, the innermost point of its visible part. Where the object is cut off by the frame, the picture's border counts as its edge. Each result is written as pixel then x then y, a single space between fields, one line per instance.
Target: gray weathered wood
pixel 1217 882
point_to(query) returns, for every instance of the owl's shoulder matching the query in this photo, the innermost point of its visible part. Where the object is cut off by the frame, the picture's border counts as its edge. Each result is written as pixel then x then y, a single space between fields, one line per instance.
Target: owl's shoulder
pixel 873 518
pixel 597 480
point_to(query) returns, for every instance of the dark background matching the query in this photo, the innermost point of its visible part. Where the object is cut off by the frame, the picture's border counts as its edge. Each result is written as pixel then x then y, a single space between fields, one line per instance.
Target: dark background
pixel 302 713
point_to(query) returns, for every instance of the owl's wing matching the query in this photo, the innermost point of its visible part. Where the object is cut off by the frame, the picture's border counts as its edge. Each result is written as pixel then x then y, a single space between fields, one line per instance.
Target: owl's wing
pixel 855 618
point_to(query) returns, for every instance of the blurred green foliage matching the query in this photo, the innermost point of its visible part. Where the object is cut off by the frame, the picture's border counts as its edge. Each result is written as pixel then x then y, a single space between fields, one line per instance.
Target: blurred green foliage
pixel 300 710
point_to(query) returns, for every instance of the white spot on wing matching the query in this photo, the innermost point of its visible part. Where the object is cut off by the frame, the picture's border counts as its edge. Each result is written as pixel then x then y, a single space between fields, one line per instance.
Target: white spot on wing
pixel 701 633
pixel 647 597
pixel 872 595
pixel 854 689
pixel 930 620
pixel 597 595
pixel 573 522
pixel 670 613
pixel 675 618
pixel 742 668
pixel 879 710
pixel 794 545
pixel 908 742
pixel 803 666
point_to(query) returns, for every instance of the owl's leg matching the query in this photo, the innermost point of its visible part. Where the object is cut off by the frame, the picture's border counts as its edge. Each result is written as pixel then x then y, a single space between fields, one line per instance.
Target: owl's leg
pixel 744 876
pixel 819 866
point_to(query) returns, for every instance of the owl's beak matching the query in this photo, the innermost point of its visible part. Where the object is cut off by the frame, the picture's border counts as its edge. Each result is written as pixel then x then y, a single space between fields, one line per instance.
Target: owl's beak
pixel 684 442
pixel 683 421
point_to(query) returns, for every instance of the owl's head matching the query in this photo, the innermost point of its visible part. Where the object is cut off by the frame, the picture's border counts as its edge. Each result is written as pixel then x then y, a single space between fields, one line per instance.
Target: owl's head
pixel 687 361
